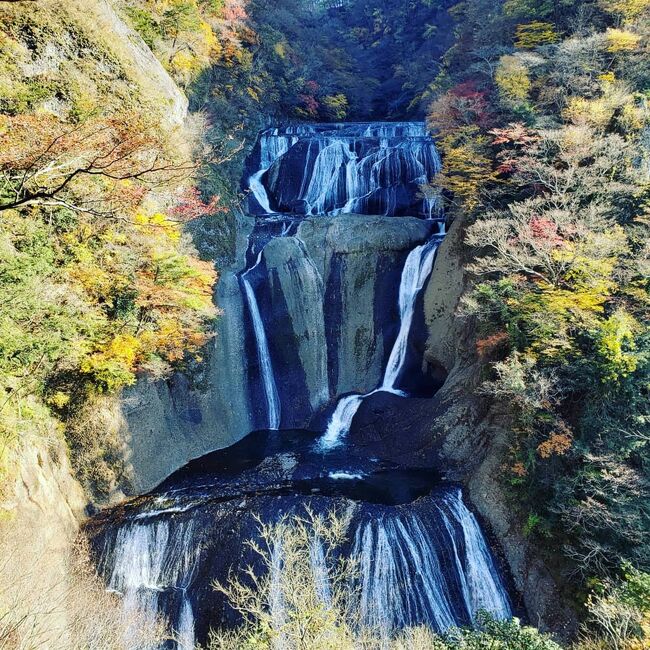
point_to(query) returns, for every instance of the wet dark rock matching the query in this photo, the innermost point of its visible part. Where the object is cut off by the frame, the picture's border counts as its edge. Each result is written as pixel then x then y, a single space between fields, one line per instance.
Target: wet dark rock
pixel 201 518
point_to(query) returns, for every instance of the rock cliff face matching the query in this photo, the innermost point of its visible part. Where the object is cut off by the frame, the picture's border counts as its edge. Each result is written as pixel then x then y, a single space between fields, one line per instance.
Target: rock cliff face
pixel 42 506
pixel 87 48
pixel 461 434
pixel 147 71
pixel 41 511
pixel 45 485
pixel 329 295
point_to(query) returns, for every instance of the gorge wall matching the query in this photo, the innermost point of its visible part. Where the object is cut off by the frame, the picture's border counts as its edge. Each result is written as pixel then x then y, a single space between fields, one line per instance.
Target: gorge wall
pixel 328 290
pixel 459 431
pixel 42 502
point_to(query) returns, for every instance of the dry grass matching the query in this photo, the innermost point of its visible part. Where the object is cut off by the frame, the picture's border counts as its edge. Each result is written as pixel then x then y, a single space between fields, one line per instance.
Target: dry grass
pixel 48 602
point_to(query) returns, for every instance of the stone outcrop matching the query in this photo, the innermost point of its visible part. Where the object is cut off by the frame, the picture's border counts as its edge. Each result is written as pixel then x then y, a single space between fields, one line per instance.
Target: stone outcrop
pixel 45 485
pixel 40 513
pixel 88 45
pixel 159 88
pixel 329 295
pixel 361 260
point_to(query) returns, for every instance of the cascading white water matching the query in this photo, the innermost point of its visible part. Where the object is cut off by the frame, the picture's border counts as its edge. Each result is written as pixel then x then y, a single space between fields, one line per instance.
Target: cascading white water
pixel 406 579
pixel 276 596
pixel 320 571
pixel 417 269
pixel 273 145
pixel 259 191
pixel 185 635
pixel 346 169
pixel 401 579
pixel 482 585
pixel 341 421
pixel 263 352
pixel 409 569
pixel 385 169
pixel 146 563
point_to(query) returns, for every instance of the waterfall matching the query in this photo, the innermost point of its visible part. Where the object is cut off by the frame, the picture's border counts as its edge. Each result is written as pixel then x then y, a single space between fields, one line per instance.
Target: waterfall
pixel 346 169
pixel 320 571
pixel 325 182
pixel 344 182
pixel 401 580
pixel 263 353
pixel 432 568
pixel 341 421
pixel 185 633
pixel 152 566
pixel 406 577
pixel 273 145
pixel 259 191
pixel 276 596
pixel 421 556
pixel 482 585
pixel 417 270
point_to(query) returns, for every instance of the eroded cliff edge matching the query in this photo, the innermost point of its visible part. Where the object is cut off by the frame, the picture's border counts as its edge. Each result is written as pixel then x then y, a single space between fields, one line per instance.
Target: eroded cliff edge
pixel 460 432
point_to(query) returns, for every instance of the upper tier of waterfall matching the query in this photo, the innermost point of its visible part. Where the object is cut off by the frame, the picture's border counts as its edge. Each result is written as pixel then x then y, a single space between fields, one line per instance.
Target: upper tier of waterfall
pixel 352 168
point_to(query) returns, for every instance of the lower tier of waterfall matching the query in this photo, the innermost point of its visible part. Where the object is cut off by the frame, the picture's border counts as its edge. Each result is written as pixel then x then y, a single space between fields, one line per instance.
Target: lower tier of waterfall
pixel 421 555
pixel 433 570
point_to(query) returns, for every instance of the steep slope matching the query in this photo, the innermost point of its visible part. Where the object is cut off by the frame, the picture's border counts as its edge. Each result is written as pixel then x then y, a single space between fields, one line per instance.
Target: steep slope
pixel 69 74
pixel 462 434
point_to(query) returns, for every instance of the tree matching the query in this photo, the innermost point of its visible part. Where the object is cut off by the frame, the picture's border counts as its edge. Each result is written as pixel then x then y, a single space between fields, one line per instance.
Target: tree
pixel 626 9
pixel 290 599
pixel 619 611
pixel 531 35
pixel 513 82
pixel 45 162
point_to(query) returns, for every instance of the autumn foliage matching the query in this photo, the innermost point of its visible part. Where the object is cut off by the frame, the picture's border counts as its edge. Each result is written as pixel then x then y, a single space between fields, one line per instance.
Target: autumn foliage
pixel 543 137
pixel 99 282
